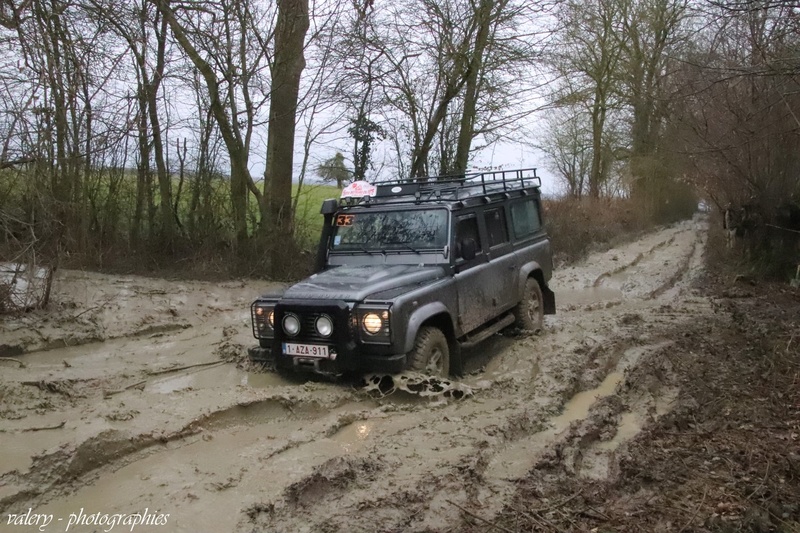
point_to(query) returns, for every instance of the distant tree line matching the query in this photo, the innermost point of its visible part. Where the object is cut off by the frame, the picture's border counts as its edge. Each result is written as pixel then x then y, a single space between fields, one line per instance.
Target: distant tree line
pixel 666 101
pixel 135 125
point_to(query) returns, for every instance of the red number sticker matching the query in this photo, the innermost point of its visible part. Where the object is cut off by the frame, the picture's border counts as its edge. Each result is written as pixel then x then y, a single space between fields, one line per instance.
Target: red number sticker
pixel 345 220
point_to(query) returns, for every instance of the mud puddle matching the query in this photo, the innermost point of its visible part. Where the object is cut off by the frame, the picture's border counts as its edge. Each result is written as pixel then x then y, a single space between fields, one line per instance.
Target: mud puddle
pixel 216 376
pixel 587 296
pixel 225 466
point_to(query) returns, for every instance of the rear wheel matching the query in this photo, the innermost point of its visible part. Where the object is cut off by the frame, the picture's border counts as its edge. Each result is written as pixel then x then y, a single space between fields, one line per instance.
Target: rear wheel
pixel 431 354
pixel 529 313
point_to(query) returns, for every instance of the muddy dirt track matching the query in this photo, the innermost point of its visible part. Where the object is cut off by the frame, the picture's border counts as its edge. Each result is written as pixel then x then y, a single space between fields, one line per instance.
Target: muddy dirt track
pixel 109 413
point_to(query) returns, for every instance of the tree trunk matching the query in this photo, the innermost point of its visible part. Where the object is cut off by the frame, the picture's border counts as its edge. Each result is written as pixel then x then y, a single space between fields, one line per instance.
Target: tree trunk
pixel 143 169
pixel 597 171
pixel 289 63
pixel 466 128
pixel 164 184
pixel 419 165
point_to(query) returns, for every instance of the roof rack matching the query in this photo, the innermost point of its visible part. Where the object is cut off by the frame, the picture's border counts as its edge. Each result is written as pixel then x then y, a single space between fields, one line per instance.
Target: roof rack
pixel 459 187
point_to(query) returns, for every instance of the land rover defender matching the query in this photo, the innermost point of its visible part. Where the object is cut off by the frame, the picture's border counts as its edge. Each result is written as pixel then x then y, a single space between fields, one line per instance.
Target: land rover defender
pixel 411 272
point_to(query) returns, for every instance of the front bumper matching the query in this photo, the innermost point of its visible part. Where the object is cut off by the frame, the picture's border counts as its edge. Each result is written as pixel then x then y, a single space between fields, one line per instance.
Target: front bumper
pixel 345 362
pixel 346 350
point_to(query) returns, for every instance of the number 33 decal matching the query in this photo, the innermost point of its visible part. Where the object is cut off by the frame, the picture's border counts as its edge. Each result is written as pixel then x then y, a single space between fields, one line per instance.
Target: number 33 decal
pixel 345 220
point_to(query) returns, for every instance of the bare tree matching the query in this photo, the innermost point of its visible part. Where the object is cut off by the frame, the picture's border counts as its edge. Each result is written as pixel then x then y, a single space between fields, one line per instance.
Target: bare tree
pixel 568 143
pixel 739 122
pixel 289 63
pixel 654 35
pixel 238 57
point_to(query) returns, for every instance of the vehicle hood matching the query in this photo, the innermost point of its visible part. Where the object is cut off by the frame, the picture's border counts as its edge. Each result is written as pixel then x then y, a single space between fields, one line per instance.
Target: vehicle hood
pixel 358 282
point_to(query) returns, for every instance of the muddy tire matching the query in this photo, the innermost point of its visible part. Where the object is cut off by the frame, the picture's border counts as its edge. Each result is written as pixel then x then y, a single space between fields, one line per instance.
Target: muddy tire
pixel 431 353
pixel 529 312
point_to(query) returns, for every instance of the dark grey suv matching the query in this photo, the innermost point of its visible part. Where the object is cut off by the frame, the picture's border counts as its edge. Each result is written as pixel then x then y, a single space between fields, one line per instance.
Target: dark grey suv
pixel 411 272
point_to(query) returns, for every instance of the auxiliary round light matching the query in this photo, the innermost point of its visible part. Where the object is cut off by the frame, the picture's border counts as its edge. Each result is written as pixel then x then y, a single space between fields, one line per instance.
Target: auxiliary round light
pixel 372 323
pixel 324 325
pixel 291 324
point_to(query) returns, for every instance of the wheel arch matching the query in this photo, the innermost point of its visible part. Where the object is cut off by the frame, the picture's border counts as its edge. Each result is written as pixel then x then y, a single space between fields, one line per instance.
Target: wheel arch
pixel 436 315
pixel 533 270
pixel 433 314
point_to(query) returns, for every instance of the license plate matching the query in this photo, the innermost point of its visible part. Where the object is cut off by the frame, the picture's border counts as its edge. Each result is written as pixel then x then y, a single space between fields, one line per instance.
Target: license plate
pixel 306 350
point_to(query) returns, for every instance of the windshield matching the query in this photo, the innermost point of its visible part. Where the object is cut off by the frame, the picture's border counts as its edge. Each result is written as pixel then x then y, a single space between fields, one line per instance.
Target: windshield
pixel 414 230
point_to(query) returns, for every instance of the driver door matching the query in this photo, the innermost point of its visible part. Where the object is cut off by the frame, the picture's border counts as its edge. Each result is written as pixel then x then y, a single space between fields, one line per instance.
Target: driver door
pixel 473 276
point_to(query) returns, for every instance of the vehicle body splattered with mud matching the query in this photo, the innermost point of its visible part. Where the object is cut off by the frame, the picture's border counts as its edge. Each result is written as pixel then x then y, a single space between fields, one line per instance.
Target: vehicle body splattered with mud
pixel 411 272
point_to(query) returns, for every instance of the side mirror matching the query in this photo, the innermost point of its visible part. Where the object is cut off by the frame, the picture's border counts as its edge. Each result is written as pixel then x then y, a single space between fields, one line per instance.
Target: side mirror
pixel 469 248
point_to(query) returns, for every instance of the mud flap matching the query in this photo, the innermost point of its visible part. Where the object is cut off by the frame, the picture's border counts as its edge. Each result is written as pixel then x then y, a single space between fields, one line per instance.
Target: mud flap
pixel 549 300
pixel 456 364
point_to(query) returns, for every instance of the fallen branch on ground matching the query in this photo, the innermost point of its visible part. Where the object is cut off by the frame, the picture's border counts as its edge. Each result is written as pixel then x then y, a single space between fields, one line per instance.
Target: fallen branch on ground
pixel 110 393
pixel 179 368
pixel 59 426
pixel 21 364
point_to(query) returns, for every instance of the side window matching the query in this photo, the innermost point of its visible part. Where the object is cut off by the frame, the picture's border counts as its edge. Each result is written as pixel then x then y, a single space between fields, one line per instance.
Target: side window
pixel 496 226
pixel 525 218
pixel 467 228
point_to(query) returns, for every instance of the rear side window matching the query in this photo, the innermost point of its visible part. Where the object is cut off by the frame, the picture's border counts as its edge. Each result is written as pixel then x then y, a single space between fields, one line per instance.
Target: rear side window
pixel 525 218
pixel 496 226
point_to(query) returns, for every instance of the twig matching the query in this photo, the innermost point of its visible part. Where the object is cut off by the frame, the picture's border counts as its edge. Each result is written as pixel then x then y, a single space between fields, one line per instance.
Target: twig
pixel 556 505
pixel 473 515
pixel 541 521
pixel 598 513
pixel 763 481
pixel 781 227
pixel 179 368
pixel 89 310
pixel 696 511
pixel 109 393
pixel 59 426
pixel 103 303
pixel 11 359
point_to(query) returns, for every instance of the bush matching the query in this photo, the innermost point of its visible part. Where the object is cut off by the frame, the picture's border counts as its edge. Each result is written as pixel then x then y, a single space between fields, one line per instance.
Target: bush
pixel 578 227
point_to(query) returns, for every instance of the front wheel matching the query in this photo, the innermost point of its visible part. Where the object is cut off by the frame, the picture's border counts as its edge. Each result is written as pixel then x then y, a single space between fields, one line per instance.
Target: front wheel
pixel 529 312
pixel 431 354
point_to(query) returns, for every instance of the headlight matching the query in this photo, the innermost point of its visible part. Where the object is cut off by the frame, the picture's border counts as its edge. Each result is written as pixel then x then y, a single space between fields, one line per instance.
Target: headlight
pixel 291 324
pixel 373 323
pixel 263 317
pixel 324 325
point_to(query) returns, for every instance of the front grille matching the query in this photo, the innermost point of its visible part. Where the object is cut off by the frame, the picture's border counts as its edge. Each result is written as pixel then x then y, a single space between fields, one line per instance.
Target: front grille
pixel 308 331
pixel 308 314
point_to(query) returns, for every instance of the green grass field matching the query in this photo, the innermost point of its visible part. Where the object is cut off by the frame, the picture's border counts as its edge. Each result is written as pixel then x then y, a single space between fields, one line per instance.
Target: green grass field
pixel 308 219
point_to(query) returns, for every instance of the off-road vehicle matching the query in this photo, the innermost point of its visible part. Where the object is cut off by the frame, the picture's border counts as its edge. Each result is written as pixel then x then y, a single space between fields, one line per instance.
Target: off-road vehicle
pixel 408 273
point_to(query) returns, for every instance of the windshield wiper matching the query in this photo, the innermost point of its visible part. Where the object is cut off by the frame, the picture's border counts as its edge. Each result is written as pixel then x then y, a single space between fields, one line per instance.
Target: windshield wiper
pixel 366 250
pixel 405 244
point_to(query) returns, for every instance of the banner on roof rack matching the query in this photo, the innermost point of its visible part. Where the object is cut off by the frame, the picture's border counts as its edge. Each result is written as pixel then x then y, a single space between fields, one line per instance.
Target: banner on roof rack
pixel 359 189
